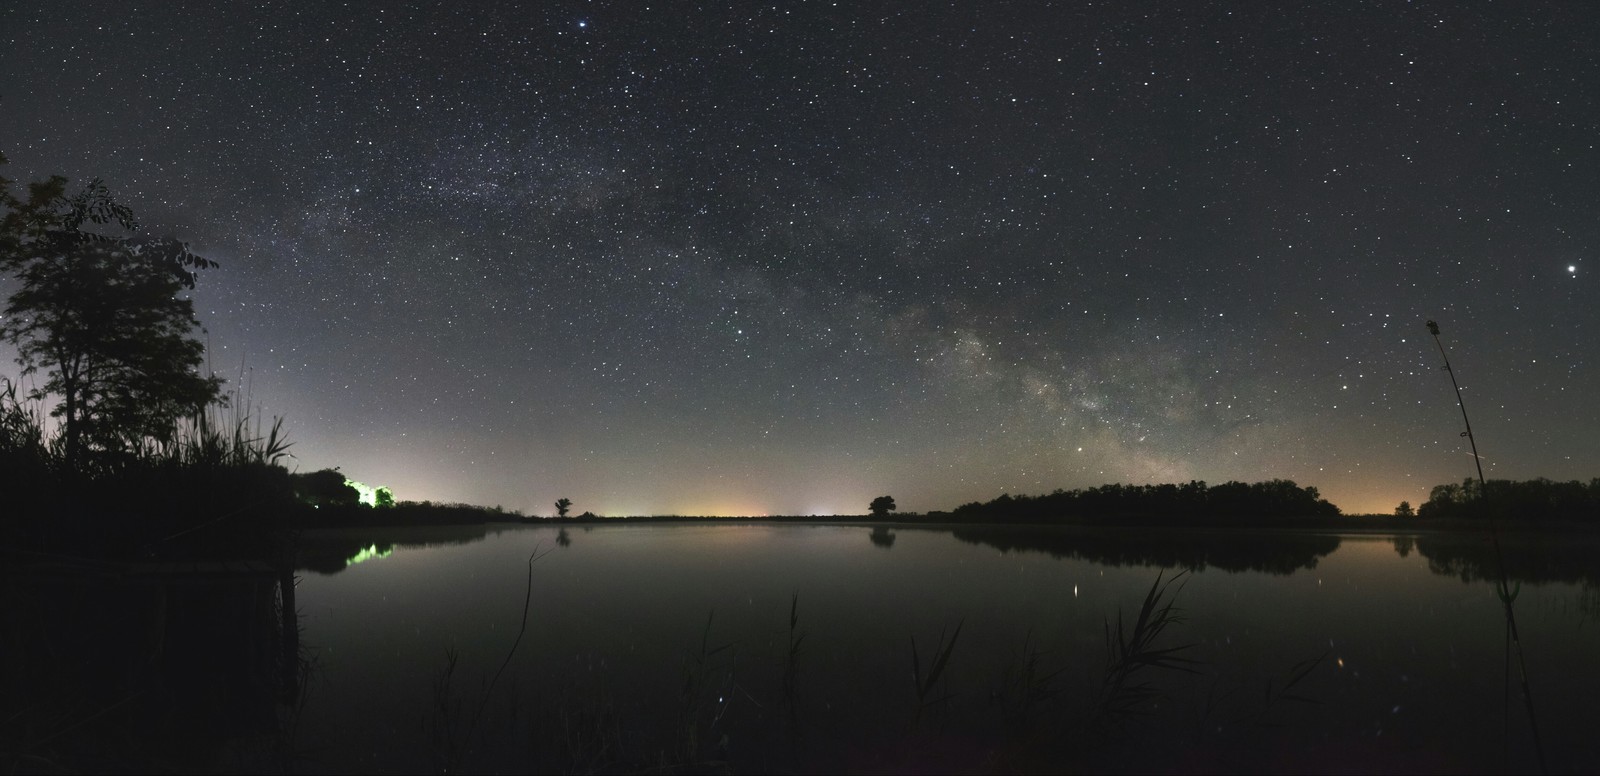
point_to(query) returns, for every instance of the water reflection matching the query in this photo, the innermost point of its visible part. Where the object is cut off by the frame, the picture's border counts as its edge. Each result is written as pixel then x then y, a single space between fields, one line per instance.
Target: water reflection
pixel 1279 553
pixel 1414 662
pixel 1404 544
pixel 1535 559
pixel 116 666
pixel 332 550
pixel 368 553
pixel 1469 556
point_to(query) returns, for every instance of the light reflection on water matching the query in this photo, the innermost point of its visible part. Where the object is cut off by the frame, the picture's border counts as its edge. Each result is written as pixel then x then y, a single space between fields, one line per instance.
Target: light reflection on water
pixel 1410 677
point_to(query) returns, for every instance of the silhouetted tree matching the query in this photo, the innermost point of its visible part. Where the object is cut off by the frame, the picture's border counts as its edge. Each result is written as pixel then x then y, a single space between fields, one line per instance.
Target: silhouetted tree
pixel 383 497
pixel 101 316
pixel 1404 510
pixel 562 505
pixel 1515 500
pixel 882 506
pixel 324 488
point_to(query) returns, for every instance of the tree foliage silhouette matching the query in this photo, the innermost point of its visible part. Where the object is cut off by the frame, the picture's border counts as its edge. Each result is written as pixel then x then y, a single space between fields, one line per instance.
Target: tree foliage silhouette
pixel 103 318
pixel 882 506
pixel 562 505
pixel 327 487
pixel 1194 500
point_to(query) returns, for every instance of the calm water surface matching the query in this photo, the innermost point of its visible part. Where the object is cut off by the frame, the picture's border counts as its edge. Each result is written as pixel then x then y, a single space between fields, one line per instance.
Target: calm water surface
pixel 1409 672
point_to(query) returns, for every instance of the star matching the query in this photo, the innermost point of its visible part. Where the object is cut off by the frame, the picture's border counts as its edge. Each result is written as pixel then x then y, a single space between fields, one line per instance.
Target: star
pixel 955 248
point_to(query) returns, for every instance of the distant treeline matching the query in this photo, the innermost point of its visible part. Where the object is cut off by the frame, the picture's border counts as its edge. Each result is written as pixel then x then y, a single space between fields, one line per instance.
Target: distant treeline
pixel 1189 503
pixel 404 513
pixel 326 499
pixel 1537 500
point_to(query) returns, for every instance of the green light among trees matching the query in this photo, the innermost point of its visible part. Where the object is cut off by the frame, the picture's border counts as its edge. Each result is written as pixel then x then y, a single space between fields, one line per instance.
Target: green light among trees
pixel 379 496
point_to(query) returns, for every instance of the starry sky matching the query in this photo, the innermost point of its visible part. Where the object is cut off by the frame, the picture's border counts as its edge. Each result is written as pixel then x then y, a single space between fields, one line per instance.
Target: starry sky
pixel 666 257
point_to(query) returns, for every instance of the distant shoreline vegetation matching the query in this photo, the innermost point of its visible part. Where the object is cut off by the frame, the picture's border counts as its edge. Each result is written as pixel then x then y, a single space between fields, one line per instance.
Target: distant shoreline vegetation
pixel 1269 504
pixel 1189 503
pixel 1538 500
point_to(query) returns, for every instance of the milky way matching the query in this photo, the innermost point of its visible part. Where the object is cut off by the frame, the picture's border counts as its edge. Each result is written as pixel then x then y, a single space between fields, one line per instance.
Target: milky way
pixel 783 259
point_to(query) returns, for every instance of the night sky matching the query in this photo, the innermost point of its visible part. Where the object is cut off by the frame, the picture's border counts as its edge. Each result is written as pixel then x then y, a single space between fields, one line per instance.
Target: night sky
pixel 674 258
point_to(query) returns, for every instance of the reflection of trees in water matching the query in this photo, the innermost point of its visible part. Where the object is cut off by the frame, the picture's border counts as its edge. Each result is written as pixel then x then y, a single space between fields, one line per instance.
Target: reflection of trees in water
pixel 1535 559
pixel 1589 598
pixel 1273 553
pixel 330 551
pixel 147 666
pixel 881 537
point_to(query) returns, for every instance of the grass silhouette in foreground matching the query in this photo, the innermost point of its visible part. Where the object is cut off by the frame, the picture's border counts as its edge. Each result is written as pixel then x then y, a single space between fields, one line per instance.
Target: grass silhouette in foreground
pixel 1034 725
pixel 449 741
pixel 926 683
pixel 1131 653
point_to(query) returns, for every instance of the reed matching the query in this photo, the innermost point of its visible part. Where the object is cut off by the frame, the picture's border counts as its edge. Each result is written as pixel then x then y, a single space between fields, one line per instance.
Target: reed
pixel 1286 691
pixel 926 683
pixel 1131 654
pixel 445 718
pixel 450 738
pixel 693 731
pixel 22 433
pixel 1266 710
pixel 591 731
pixel 215 481
pixel 1025 685
pixel 227 433
pixel 791 658
pixel 30 458
pixel 590 734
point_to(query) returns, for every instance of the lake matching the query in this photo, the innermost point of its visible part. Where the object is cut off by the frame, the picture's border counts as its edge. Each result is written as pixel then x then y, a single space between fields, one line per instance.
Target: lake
pixel 670 647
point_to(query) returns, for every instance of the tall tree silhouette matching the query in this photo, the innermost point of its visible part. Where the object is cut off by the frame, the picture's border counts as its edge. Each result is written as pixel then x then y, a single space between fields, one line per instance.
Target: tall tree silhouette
pixel 882 506
pixel 562 505
pixel 103 317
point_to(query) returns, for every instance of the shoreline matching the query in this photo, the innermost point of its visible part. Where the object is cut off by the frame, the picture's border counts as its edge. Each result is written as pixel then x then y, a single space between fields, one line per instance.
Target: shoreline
pixel 1343 525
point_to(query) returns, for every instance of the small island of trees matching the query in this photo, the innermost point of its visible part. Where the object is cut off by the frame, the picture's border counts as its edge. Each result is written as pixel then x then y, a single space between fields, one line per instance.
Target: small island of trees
pixel 1193 502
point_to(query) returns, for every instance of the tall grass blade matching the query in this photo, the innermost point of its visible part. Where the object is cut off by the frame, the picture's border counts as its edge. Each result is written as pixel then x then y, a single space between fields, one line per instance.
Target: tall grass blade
pixel 1124 692
pixel 925 684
